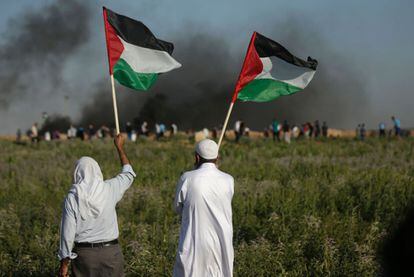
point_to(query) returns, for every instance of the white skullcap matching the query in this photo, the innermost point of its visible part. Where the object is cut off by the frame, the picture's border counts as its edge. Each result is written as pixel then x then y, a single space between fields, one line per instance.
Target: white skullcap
pixel 207 149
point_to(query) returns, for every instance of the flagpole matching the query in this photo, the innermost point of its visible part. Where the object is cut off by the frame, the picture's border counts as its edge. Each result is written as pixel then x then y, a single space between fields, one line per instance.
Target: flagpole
pixel 226 121
pixel 115 106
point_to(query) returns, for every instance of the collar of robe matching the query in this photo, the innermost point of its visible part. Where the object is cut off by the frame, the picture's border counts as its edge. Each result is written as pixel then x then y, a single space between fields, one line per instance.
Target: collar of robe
pixel 207 165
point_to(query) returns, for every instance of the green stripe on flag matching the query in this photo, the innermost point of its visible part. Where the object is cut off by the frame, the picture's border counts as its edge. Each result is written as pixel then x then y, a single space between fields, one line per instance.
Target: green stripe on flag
pixel 126 76
pixel 263 90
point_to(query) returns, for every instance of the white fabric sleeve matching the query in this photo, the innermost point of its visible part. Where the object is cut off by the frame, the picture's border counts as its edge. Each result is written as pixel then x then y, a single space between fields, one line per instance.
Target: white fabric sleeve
pixel 67 231
pixel 122 182
pixel 180 194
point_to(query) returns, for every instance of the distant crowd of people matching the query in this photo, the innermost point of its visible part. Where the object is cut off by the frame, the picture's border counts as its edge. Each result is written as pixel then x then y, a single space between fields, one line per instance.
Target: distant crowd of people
pixel 284 131
pixel 278 130
pixel 307 130
pixel 396 131
pixel 91 132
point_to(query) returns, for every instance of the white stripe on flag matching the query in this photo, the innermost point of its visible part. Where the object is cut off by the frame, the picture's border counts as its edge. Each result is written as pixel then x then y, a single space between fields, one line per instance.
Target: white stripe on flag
pixel 145 60
pixel 301 81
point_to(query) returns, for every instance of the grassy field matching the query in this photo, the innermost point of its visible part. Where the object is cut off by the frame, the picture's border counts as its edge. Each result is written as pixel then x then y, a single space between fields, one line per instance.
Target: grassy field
pixel 311 208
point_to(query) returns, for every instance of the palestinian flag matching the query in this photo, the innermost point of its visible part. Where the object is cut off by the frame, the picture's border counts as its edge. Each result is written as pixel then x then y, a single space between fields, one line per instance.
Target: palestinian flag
pixel 270 70
pixel 136 56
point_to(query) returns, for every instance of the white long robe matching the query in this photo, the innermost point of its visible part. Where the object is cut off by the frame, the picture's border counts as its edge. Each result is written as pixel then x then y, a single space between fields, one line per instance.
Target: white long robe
pixel 203 199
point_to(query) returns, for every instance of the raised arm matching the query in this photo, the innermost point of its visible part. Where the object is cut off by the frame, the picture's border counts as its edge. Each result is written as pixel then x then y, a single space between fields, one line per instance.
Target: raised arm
pixel 123 180
pixel 119 144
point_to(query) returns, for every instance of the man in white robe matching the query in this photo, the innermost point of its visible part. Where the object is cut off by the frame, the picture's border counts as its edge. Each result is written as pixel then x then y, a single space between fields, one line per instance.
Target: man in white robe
pixel 203 199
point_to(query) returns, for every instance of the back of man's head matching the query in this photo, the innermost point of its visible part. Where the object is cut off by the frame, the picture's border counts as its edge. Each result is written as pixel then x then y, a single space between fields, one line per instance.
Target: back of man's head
pixel 207 149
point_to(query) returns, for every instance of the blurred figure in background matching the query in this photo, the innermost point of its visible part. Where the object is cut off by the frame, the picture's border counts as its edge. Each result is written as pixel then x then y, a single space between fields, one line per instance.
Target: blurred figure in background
pixel 144 128
pixel 71 133
pixel 237 129
pixel 91 131
pixel 325 129
pixel 159 130
pixel 203 200
pixel 55 135
pixel 80 133
pixel 362 132
pixel 317 129
pixel 397 126
pixel 106 132
pixel 286 131
pixel 310 129
pixel 214 132
pixel 162 129
pixel 305 129
pixel 34 133
pixel 47 136
pixel 246 131
pixel 89 228
pixel 276 130
pixel 173 129
pixel 295 131
pixel 381 128
pixel 128 130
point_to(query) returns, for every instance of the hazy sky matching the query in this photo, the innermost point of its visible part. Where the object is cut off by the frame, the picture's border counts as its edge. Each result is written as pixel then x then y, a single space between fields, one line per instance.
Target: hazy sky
pixel 377 37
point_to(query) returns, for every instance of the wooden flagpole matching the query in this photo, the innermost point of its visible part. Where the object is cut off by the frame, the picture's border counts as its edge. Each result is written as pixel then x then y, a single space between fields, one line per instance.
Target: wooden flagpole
pixel 226 121
pixel 115 105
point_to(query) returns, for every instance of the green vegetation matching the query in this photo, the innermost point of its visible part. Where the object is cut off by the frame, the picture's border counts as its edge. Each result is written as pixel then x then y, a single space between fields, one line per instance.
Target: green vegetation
pixel 319 208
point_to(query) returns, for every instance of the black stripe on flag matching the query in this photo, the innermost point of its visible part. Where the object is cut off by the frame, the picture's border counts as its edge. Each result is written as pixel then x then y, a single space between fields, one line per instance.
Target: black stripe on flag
pixel 135 32
pixel 266 47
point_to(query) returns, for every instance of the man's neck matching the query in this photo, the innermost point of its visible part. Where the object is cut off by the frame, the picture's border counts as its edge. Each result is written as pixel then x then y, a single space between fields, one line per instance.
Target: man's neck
pixel 206 164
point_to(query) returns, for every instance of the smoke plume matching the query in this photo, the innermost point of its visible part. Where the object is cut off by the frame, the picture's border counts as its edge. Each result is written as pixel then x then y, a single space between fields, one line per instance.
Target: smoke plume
pixel 39 44
pixel 36 46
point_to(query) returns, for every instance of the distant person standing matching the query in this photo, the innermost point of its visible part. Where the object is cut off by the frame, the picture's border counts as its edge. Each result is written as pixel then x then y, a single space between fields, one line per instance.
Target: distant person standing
pixel 324 129
pixel 71 133
pixel 362 131
pixel 80 133
pixel 203 200
pixel 397 126
pixel 128 129
pixel 47 136
pixel 91 131
pixel 159 130
pixel 317 129
pixel 144 129
pixel 18 136
pixel 173 129
pixel 305 130
pixel 241 131
pixel 311 129
pixel 286 131
pixel 381 128
pixel 34 133
pixel 276 130
pixel 237 129
pixel 89 227
pixel 162 129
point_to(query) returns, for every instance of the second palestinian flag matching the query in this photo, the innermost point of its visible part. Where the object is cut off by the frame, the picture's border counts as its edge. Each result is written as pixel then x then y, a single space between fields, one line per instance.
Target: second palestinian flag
pixel 270 71
pixel 136 56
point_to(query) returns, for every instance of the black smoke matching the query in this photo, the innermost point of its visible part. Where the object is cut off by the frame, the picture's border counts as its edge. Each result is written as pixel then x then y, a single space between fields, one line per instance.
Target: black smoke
pixel 56 122
pixel 37 45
